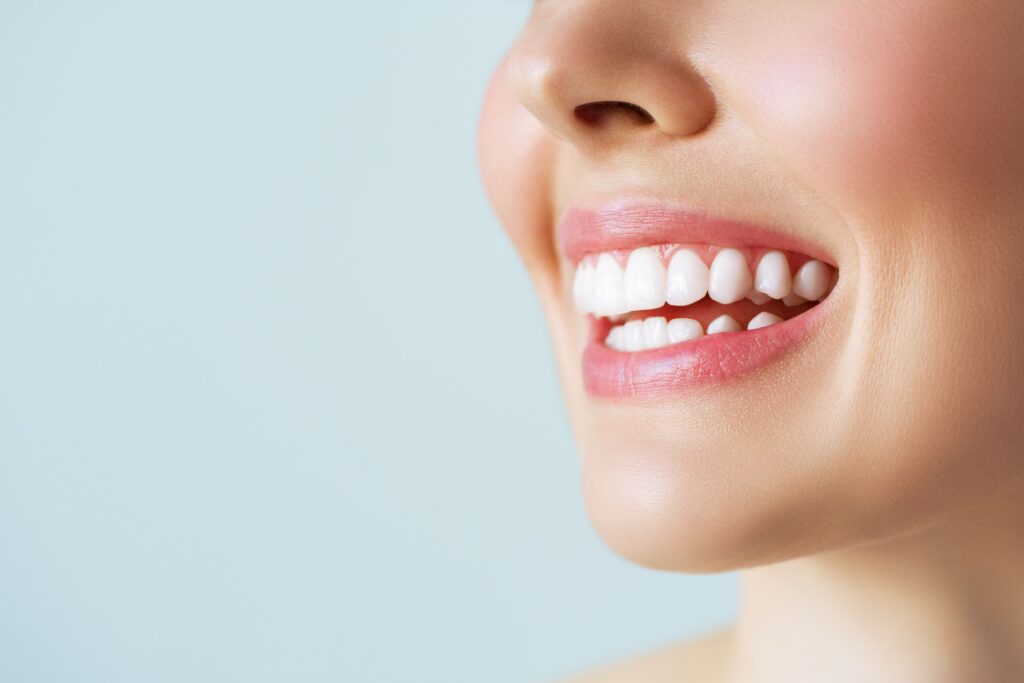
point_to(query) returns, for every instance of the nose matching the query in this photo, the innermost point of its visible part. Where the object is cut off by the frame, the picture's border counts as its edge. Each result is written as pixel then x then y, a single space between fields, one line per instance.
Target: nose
pixel 601 72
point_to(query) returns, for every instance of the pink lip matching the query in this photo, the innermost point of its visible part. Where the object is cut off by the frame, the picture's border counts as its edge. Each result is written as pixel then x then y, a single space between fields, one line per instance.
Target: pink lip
pixel 629 224
pixel 712 359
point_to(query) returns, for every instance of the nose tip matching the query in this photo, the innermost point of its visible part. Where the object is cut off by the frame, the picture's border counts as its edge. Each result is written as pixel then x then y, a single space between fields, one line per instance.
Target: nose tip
pixel 598 81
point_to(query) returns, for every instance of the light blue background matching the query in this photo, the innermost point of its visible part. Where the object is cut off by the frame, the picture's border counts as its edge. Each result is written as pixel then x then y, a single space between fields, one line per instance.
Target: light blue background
pixel 276 402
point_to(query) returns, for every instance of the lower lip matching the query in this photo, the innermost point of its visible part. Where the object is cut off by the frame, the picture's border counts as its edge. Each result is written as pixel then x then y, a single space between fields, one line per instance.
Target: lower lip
pixel 710 360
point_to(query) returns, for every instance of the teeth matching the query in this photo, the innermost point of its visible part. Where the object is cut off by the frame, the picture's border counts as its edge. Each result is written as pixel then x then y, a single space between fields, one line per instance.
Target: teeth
pixel 609 295
pixel 633 335
pixel 655 333
pixel 606 289
pixel 773 277
pixel 763 319
pixel 687 278
pixel 652 333
pixel 723 323
pixel 729 277
pixel 832 282
pixel 757 297
pixel 583 288
pixel 644 280
pixel 616 338
pixel 812 280
pixel 684 329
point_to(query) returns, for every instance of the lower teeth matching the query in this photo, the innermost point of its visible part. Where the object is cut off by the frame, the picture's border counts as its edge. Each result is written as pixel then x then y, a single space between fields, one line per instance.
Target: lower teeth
pixel 657 332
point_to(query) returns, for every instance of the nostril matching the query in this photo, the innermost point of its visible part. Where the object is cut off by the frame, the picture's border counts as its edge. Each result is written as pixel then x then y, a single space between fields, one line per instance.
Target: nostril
pixel 598 113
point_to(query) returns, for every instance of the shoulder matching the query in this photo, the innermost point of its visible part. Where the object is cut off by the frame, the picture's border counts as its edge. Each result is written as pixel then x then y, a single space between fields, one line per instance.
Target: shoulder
pixel 702 660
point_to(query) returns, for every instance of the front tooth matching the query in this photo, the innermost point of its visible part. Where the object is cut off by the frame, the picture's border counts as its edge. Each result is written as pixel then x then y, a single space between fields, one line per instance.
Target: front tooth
pixel 812 279
pixel 729 278
pixel 644 280
pixel 763 319
pixel 655 333
pixel 773 276
pixel 794 300
pixel 609 295
pixel 615 338
pixel 583 288
pixel 687 278
pixel 684 329
pixel 633 336
pixel 723 323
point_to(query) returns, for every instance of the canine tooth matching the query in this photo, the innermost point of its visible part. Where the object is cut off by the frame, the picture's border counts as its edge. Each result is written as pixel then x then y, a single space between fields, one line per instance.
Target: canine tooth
pixel 655 333
pixel 763 319
pixel 729 277
pixel 773 276
pixel 757 297
pixel 687 278
pixel 609 295
pixel 723 323
pixel 812 279
pixel 794 300
pixel 684 329
pixel 615 338
pixel 644 280
pixel 583 287
pixel 633 337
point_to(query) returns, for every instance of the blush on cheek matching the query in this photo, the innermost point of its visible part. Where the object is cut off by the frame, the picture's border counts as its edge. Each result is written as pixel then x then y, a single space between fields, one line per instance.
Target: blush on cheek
pixel 516 158
pixel 887 101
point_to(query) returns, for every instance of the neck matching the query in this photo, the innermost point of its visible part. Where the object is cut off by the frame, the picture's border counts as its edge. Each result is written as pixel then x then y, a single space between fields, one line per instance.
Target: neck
pixel 945 604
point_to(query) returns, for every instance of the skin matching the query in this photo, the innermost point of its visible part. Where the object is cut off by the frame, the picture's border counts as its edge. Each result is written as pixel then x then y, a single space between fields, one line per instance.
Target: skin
pixel 869 484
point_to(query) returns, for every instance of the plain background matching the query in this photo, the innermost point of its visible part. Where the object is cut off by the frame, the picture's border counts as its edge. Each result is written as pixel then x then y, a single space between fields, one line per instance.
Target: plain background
pixel 276 401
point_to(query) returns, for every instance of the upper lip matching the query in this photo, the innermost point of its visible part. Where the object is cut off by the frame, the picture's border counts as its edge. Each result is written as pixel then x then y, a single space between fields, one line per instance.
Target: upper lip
pixel 628 224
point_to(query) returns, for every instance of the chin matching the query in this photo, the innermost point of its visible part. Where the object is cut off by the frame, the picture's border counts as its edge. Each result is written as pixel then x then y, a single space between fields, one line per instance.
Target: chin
pixel 669 511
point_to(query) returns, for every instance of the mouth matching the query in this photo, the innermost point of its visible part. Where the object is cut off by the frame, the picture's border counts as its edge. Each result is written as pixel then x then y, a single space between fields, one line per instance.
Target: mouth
pixel 677 300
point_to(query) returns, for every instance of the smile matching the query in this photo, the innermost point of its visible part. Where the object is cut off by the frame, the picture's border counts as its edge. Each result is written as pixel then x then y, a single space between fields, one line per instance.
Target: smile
pixel 664 316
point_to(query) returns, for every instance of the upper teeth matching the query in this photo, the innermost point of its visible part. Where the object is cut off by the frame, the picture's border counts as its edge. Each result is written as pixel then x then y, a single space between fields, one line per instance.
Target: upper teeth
pixel 605 288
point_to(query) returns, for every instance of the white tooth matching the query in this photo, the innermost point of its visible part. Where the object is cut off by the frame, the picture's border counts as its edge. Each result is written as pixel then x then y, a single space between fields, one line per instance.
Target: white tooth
pixel 644 280
pixel 615 338
pixel 684 329
pixel 583 287
pixel 633 337
pixel 812 279
pixel 687 278
pixel 609 295
pixel 729 277
pixel 655 333
pixel 831 284
pixel 763 319
pixel 723 323
pixel 757 297
pixel 773 276
pixel 794 300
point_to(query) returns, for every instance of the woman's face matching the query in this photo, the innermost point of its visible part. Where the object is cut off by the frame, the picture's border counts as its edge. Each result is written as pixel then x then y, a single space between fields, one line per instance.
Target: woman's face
pixel 664 147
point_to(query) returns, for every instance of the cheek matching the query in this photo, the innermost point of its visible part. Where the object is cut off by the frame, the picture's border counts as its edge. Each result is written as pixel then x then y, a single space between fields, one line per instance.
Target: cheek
pixel 517 163
pixel 895 106
pixel 907 120
pixel 516 155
